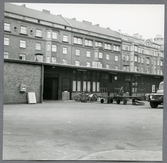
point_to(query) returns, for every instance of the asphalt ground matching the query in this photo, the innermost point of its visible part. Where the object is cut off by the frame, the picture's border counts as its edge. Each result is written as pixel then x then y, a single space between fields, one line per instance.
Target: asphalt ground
pixel 57 130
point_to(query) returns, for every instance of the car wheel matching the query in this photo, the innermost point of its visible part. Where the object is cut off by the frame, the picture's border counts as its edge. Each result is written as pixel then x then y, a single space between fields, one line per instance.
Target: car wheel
pixel 153 104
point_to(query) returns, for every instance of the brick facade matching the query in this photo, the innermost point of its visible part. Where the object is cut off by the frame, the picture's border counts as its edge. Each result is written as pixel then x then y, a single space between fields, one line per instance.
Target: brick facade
pixel 18 73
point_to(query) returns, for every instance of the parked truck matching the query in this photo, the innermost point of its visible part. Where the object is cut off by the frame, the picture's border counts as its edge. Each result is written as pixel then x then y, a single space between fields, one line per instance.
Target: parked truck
pixel 156 99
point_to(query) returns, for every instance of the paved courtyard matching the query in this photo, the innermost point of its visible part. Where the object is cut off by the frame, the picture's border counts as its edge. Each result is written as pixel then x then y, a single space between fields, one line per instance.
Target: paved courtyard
pixel 82 131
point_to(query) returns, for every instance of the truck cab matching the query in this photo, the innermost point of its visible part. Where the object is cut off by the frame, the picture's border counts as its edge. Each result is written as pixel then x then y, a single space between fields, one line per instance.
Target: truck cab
pixel 156 99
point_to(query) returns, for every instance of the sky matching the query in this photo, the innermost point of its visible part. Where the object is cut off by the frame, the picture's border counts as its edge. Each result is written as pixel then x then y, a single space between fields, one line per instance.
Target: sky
pixel 147 20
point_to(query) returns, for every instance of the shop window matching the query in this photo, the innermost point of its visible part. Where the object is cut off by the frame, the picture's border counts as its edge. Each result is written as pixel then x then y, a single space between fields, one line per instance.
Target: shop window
pixel 22 44
pixel 6 41
pixel 74 88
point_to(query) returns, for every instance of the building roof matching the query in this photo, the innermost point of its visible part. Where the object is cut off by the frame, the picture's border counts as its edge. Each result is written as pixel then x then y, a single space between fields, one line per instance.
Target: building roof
pixel 58 19
pixel 92 28
pixel 22 10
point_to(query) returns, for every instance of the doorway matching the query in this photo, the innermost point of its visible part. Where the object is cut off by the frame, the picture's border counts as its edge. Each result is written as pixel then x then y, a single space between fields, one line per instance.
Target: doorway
pixel 50 88
pixel 129 88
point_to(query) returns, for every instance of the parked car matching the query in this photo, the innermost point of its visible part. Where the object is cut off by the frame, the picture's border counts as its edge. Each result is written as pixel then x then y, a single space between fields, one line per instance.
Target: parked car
pixel 156 99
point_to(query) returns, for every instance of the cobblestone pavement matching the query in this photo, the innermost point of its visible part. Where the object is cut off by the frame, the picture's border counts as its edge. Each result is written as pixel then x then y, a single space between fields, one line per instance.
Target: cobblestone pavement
pixel 82 131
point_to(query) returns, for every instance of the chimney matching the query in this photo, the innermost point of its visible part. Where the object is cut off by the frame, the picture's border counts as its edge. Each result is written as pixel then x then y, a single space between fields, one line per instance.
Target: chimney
pixel 119 30
pixel 24 5
pixel 46 11
pixel 97 25
pixel 87 22
pixel 136 35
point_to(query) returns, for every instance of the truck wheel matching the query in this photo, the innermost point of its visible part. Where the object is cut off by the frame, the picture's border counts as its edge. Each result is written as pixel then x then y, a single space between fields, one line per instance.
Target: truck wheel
pixel 125 102
pixel 111 100
pixel 153 104
pixel 102 100
pixel 118 101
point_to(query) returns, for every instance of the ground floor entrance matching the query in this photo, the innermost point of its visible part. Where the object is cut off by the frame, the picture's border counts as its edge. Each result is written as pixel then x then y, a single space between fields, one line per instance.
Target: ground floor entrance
pixel 50 88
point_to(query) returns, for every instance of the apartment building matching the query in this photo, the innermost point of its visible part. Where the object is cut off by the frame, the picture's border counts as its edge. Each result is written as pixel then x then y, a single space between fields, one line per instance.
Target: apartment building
pixel 56 57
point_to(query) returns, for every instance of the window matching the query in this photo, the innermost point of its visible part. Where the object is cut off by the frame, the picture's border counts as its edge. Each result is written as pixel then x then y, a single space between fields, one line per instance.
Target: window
pixel 88 42
pixel 127 58
pixel 88 54
pixel 135 68
pixel 48 34
pixel 116 48
pixel 6 54
pixel 107 57
pixel 161 63
pixel 64 61
pixel 6 26
pixel 138 59
pixel 135 58
pixel 136 48
pixel 39 58
pixel 48 47
pixel 157 63
pixel 65 38
pixel 139 50
pixel 142 61
pixel 142 70
pixel 116 58
pixel 54 35
pixel 6 41
pixel 54 48
pixel 22 44
pixel 116 67
pixel 64 50
pixel 100 55
pixel 87 64
pixel 77 52
pixel 107 46
pixel 38 46
pixel 77 40
pixel 161 72
pixel 157 71
pixel 107 66
pixel 48 59
pixel 77 63
pixel 147 70
pixel 147 60
pixel 53 59
pixel 98 44
pixel 22 56
pixel 23 30
pixel 38 33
